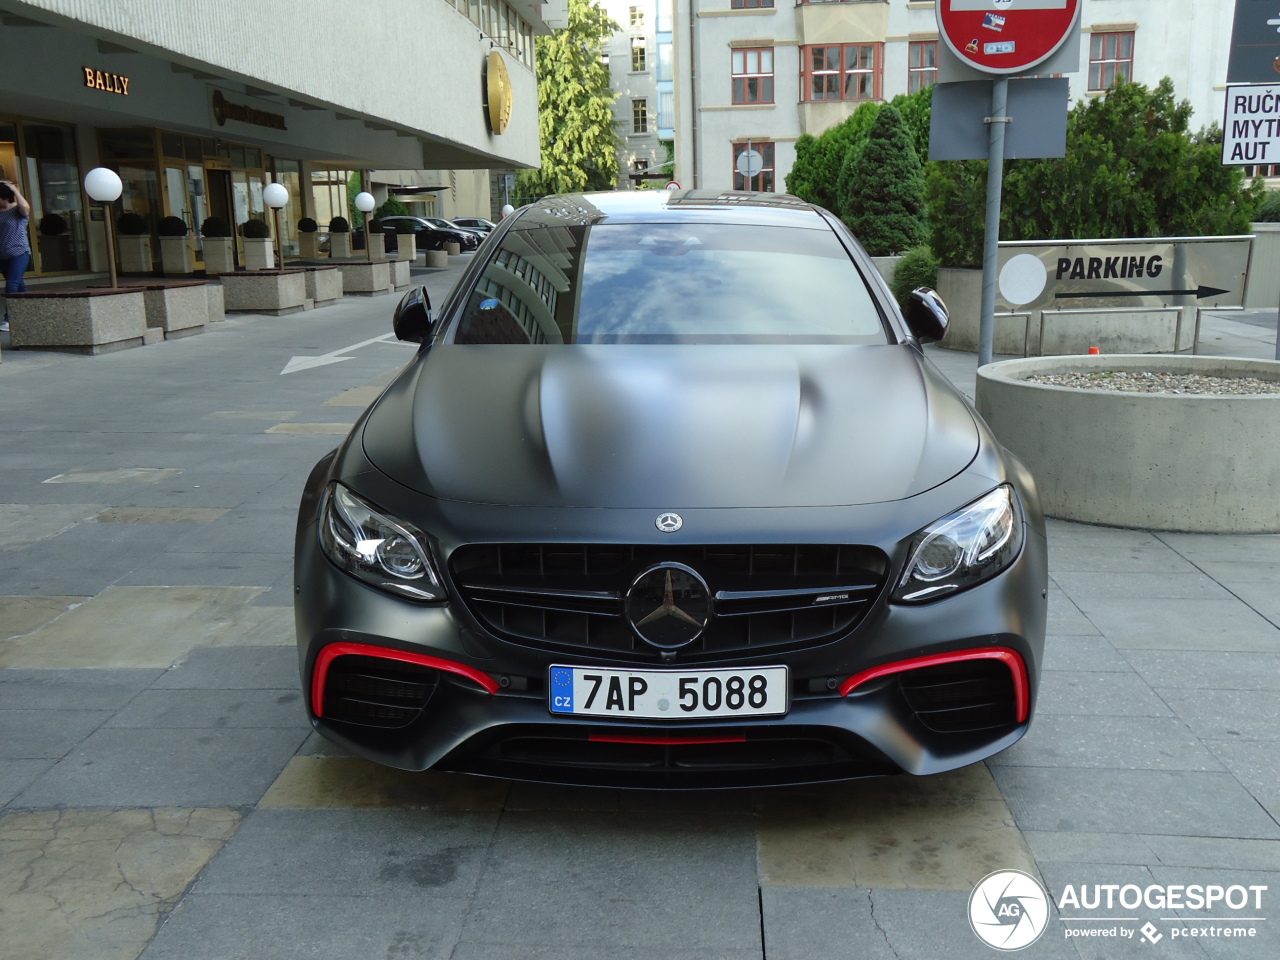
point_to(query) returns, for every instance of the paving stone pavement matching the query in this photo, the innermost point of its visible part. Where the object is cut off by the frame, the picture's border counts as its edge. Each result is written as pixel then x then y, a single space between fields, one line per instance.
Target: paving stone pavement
pixel 163 796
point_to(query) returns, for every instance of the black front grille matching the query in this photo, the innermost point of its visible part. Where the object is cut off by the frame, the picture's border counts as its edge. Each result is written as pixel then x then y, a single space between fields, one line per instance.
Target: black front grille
pixel 766 598
pixel 375 692
pixel 961 697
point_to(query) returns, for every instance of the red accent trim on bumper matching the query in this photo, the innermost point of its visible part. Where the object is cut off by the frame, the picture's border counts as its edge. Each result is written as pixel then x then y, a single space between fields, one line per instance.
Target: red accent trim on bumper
pixel 664 741
pixel 328 654
pixel 1010 658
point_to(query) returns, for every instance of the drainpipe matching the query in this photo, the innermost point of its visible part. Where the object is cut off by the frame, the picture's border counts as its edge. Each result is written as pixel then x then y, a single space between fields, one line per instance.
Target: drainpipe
pixel 693 86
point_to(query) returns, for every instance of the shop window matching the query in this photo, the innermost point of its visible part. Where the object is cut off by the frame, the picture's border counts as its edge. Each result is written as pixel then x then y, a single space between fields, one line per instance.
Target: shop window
pixel 57 208
pixel 1110 59
pixel 752 75
pixel 639 55
pixel 922 65
pixel 171 144
pixel 848 71
pixel 639 116
pixel 126 144
pixel 762 181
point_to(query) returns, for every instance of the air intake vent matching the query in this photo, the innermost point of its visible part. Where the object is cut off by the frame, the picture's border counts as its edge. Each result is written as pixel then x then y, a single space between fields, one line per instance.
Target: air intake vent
pixel 765 597
pixel 375 692
pixel 961 697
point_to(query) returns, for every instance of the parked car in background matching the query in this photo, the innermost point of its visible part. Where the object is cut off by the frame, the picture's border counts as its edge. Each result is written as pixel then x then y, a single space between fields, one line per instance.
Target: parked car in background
pixel 476 223
pixel 431 233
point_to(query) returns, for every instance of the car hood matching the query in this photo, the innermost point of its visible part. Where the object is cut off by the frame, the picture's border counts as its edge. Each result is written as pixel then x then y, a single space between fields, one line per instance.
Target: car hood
pixel 671 426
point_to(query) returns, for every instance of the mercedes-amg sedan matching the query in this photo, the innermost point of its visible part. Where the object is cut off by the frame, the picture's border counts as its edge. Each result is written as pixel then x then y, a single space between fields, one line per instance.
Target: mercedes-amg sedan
pixel 670 496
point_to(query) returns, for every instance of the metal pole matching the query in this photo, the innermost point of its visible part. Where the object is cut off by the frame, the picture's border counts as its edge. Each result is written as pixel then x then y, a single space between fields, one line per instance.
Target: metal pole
pixel 279 243
pixel 991 235
pixel 111 246
pixel 1277 335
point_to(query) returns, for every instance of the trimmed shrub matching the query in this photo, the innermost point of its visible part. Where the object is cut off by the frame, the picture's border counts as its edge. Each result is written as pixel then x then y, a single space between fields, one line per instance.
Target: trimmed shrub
pixel 255 229
pixel 1269 211
pixel 404 227
pixel 339 225
pixel 307 225
pixel 882 188
pixel 131 225
pixel 52 225
pixel 173 227
pixel 391 208
pixel 917 268
pixel 215 227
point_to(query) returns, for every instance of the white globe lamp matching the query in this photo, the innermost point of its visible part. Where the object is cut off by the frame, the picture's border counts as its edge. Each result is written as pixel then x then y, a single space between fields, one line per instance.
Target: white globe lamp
pixel 275 196
pixel 507 210
pixel 365 204
pixel 103 186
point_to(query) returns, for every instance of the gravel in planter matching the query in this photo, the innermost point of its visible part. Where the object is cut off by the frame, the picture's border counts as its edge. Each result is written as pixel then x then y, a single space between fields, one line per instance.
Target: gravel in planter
pixel 1146 382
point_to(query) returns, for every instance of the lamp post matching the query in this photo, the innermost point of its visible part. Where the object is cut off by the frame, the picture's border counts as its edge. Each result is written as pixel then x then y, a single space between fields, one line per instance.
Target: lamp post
pixel 103 186
pixel 365 204
pixel 276 196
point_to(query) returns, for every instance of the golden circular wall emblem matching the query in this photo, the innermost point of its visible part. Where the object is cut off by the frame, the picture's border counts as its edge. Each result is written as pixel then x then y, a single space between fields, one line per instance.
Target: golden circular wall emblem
pixel 498 92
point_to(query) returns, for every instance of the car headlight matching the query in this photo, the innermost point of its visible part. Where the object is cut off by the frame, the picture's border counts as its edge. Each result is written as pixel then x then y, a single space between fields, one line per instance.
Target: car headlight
pixel 376 548
pixel 969 546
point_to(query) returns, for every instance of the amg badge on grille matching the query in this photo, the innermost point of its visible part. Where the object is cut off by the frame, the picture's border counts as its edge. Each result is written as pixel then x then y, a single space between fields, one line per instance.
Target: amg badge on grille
pixel 669 522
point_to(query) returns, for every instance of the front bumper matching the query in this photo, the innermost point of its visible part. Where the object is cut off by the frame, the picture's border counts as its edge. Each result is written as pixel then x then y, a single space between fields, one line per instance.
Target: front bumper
pixel 488 713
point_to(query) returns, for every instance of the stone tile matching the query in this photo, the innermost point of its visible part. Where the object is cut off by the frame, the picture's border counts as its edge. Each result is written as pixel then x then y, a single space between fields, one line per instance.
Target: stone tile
pixel 355 397
pixel 71 689
pixel 1121 742
pixel 1135 624
pixel 1241 571
pixel 1264 597
pixel 929 924
pixel 22 524
pixel 279 594
pixel 944 832
pixel 1228 714
pixel 211 569
pixel 318 746
pixel 474 950
pixel 239 668
pixel 45 734
pixel 1129 801
pixel 327 782
pixel 1149 586
pixel 1083 653
pixel 17 775
pixel 1066 618
pixel 251 415
pixel 1145 554
pixel 1207 670
pixel 129 627
pixel 271 927
pixel 175 709
pixel 159 515
pixel 272 534
pixel 1080 847
pixel 62 567
pixel 1215 853
pixel 1227 548
pixel 19 615
pixel 118 475
pixel 821 923
pixel 95 884
pixel 1098 694
pixel 149 767
pixel 1265 945
pixel 1256 764
pixel 325 429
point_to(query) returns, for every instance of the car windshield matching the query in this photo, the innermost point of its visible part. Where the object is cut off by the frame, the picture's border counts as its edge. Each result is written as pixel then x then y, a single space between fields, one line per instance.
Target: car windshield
pixel 670 283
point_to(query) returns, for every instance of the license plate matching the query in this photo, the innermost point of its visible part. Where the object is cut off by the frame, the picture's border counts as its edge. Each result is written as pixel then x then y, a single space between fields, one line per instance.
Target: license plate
pixel 669 694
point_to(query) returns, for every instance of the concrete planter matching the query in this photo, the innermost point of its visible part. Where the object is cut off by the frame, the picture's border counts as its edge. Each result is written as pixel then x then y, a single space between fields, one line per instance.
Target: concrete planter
pixel 324 285
pixel 259 254
pixel 135 254
pixel 1157 461
pixel 453 249
pixel 887 266
pixel 219 255
pixel 78 321
pixel 178 309
pixel 217 302
pixel 377 245
pixel 437 258
pixel 363 278
pixel 1262 288
pixel 400 274
pixel 308 246
pixel 274 292
pixel 961 290
pixel 339 245
pixel 406 247
pixel 176 257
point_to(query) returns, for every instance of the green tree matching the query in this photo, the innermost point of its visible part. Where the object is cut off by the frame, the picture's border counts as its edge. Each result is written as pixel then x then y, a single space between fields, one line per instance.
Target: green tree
pixel 575 108
pixel 882 188
pixel 354 186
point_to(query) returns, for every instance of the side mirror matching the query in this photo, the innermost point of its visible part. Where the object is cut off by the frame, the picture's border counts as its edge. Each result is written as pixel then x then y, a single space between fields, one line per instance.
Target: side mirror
pixel 926 315
pixel 412 320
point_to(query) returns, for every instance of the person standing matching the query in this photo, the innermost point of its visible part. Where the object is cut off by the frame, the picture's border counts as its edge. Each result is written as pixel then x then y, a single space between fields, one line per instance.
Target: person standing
pixel 15 243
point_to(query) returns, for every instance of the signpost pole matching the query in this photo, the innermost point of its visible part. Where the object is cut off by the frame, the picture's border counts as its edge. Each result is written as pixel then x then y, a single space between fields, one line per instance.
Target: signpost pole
pixel 991 233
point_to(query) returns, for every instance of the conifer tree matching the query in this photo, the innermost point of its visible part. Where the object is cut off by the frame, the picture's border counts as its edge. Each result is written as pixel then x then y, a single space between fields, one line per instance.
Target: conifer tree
pixel 882 188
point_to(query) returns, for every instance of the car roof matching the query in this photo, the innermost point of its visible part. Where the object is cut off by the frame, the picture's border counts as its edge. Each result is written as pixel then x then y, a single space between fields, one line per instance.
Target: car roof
pixel 674 206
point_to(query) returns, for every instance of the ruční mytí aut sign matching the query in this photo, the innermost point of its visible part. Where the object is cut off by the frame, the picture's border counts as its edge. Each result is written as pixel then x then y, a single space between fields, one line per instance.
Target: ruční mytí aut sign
pixel 1251 128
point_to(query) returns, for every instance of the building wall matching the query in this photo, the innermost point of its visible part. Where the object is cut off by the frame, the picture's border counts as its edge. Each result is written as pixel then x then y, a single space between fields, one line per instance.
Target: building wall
pixel 631 85
pixel 1187 40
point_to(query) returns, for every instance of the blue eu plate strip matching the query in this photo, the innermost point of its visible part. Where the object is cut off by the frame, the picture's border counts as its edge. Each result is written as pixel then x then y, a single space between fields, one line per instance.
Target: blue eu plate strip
pixel 561 690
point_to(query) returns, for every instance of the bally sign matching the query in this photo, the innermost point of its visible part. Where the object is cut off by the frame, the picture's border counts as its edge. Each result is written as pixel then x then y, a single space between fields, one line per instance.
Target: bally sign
pixel 102 80
pixel 1251 130
pixel 1006 36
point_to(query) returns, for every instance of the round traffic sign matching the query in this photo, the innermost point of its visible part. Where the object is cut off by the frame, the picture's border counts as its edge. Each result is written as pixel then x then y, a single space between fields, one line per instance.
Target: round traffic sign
pixel 673 185
pixel 1005 36
pixel 750 163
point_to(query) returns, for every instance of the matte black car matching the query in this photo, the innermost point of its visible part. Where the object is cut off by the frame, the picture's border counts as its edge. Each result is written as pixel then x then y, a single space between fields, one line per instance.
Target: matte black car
pixel 476 223
pixel 429 235
pixel 671 497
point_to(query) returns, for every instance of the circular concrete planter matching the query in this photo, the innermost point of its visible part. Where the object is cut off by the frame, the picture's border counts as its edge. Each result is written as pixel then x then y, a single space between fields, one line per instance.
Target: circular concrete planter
pixel 1158 461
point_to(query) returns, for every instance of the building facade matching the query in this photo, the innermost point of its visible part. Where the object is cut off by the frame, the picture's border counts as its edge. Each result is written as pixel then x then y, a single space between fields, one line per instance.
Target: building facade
pixel 199 106
pixel 756 74
pixel 640 70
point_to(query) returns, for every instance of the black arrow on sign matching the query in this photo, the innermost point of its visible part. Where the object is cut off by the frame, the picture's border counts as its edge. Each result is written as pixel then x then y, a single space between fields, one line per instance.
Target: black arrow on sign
pixel 1199 293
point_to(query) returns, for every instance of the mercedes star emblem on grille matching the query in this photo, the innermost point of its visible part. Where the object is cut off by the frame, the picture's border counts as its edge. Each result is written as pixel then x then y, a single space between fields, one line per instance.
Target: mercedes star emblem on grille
pixel 668 606
pixel 669 522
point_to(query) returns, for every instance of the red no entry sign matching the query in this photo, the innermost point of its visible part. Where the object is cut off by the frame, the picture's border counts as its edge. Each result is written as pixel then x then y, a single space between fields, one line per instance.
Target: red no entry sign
pixel 1005 36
